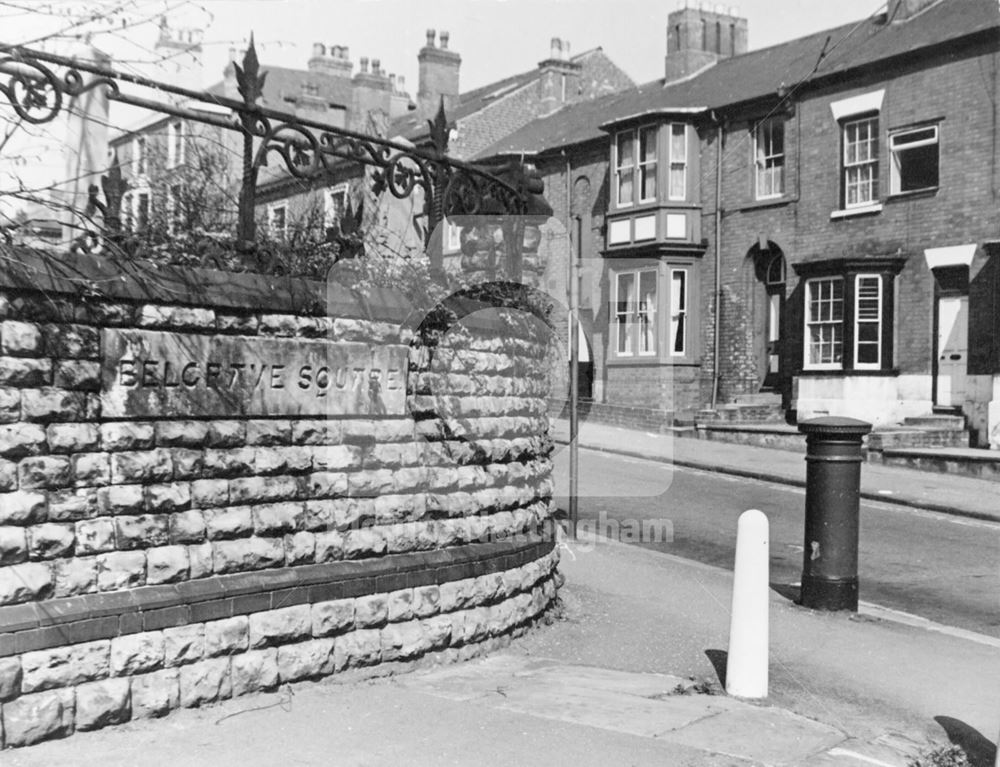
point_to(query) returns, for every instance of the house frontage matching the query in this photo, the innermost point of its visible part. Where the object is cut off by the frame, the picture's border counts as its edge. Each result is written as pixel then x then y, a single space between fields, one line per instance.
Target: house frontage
pixel 813 224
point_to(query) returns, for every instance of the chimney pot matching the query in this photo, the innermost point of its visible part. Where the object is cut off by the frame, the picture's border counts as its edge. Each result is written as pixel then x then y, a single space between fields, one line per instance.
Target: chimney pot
pixel 345 51
pixel 401 82
pixel 319 50
pixel 376 66
pixel 555 48
pixel 430 38
pixel 444 39
pixel 364 63
pixel 566 49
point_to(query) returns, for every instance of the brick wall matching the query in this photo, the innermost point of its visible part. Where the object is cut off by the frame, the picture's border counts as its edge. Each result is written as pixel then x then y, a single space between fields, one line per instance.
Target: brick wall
pixel 151 562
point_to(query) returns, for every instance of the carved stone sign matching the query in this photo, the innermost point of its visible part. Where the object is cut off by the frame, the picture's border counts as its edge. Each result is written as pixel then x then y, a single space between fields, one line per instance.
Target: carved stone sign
pixel 147 373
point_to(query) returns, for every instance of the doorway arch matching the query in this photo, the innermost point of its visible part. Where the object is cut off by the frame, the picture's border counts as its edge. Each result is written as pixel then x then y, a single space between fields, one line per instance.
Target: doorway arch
pixel 770 334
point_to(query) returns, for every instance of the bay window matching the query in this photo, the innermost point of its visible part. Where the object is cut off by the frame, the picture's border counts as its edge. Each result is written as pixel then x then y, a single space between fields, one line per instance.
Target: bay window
pixel 652 313
pixel 635 312
pixel 825 322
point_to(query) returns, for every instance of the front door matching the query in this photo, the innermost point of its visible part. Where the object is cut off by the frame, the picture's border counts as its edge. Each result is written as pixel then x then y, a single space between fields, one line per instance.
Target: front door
pixel 775 300
pixel 952 350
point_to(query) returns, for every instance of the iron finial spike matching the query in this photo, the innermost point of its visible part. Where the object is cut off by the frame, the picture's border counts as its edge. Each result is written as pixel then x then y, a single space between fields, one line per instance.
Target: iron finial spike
pixel 439 129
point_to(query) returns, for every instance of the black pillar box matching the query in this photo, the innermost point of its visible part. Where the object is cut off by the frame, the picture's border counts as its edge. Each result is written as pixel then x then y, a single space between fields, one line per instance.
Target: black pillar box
pixel 833 494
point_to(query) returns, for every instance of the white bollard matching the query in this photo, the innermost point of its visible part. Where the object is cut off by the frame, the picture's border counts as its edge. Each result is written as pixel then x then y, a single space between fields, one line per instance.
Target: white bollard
pixel 746 665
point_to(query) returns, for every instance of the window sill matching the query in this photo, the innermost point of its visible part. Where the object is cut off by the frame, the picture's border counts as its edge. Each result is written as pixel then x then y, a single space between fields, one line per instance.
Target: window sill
pixel 861 210
pixel 843 372
pixel 650 361
pixel 770 202
pixel 930 191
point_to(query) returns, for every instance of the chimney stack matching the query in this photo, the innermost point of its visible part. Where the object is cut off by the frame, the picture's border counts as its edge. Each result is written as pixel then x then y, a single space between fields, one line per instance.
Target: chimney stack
pixel 698 37
pixel 336 64
pixel 558 77
pixel 438 73
pixel 371 93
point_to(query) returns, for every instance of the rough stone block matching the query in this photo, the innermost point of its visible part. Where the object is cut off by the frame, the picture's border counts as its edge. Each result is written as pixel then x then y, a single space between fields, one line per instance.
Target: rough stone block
pixel 332 617
pixel 72 505
pixel 136 653
pixel 193 317
pixel 99 704
pixel 234 462
pixel 357 648
pixel 367 542
pixel 400 605
pixel 247 554
pixel 51 539
pixel 162 499
pixel 288 624
pixel 8 476
pixel 21 339
pixel 144 466
pixel 44 471
pixel 227 636
pixel 91 469
pixel 426 601
pixel 121 499
pixel 28 581
pixel 317 431
pixel 278 324
pixel 209 492
pixel 141 531
pixel 230 522
pixel 10 678
pixel 51 404
pixel 305 660
pixel 437 631
pixel 188 463
pixel 263 489
pixel 72 437
pixel 33 718
pixel 254 670
pixel 94 536
pixel 371 610
pixel 24 371
pixel 300 548
pixel 119 570
pixel 187 526
pixel 77 375
pixel 226 433
pixel 166 564
pixel 10 405
pixel 183 644
pixel 318 515
pixel 327 484
pixel 337 458
pixel 13 545
pixel 64 666
pixel 199 560
pixel 155 694
pixel 268 433
pixel 74 576
pixel 205 682
pixel 274 518
pixel 403 640
pixel 127 436
pixel 329 546
pixel 372 483
pixel 181 433
pixel 73 341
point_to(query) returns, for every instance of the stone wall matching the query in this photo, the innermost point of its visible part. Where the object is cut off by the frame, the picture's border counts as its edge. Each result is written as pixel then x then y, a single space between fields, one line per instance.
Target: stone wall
pixel 151 558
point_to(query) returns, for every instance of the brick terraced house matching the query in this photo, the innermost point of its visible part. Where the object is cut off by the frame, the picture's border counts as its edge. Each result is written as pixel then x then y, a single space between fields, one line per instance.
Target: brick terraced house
pixel 814 224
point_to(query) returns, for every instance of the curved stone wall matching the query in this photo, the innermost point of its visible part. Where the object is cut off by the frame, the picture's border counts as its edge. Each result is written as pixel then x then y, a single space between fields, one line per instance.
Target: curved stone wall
pixel 212 484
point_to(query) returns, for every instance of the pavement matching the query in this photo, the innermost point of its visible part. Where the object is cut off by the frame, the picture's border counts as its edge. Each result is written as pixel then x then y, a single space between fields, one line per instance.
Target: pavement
pixel 630 670
pixel 947 493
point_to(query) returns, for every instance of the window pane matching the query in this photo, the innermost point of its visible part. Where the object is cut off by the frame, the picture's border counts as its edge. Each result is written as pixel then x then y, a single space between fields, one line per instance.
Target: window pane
pixel 917 168
pixel 625 186
pixel 647 312
pixel 624 311
pixel 678 309
pixel 626 148
pixel 647 148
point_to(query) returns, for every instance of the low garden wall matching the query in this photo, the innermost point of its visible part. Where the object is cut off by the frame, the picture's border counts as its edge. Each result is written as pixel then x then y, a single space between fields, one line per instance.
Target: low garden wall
pixel 212 484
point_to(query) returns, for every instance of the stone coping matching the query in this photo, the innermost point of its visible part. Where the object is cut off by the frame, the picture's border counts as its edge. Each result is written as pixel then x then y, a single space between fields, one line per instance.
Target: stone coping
pixel 93 276
pixel 69 620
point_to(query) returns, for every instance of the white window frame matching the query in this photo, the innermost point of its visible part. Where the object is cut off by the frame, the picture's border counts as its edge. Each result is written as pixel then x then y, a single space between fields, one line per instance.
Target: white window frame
pixel 878 320
pixel 644 166
pixel 452 237
pixel 836 324
pixel 677 163
pixel 272 212
pixel 895 147
pixel 329 208
pixel 175 143
pixel 871 161
pixel 634 313
pixel 766 160
pixel 135 206
pixel 620 167
pixel 173 208
pixel 140 158
pixel 679 316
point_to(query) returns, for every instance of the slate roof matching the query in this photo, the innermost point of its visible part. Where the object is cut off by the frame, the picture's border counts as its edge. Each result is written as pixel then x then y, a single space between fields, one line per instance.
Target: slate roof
pixel 760 73
pixel 283 82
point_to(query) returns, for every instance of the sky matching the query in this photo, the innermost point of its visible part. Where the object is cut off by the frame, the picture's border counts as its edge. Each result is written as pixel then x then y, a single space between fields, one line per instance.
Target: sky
pixel 495 38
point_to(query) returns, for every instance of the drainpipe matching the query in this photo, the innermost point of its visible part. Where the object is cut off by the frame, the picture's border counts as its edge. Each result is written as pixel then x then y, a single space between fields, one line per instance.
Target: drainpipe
pixel 716 375
pixel 574 355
